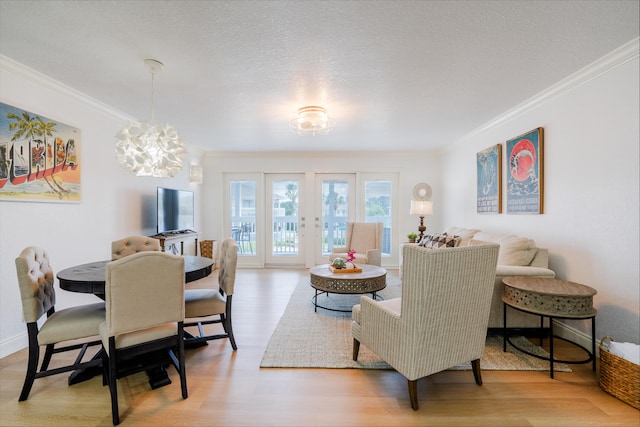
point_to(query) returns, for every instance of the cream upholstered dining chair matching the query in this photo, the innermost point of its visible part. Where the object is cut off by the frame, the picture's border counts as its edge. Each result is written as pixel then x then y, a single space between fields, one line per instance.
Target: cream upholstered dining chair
pixel 155 279
pixel 206 303
pixel 133 244
pixel 366 239
pixel 36 280
pixel 441 318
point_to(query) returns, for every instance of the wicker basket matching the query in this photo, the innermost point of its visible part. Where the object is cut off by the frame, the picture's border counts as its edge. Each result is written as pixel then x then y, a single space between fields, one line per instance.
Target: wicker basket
pixel 209 249
pixel 619 377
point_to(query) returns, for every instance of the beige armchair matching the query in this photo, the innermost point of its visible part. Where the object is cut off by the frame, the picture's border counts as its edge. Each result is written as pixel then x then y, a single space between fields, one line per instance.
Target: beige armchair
pixel 144 295
pixel 366 239
pixel 441 318
pixel 201 304
pixel 36 278
pixel 133 244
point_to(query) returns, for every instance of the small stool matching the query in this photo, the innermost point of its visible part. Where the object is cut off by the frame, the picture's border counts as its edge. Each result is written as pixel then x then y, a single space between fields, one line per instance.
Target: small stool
pixel 555 299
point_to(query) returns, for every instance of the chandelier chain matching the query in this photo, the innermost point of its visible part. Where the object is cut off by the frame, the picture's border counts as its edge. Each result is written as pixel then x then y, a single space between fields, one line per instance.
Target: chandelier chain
pixel 153 94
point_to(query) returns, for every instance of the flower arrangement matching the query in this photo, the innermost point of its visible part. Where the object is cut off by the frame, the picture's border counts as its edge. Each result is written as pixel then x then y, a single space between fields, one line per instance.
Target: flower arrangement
pixel 351 256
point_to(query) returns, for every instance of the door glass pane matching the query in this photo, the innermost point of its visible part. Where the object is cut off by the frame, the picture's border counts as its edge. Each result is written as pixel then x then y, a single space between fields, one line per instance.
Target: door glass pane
pixel 243 215
pixel 284 196
pixel 378 208
pixel 335 213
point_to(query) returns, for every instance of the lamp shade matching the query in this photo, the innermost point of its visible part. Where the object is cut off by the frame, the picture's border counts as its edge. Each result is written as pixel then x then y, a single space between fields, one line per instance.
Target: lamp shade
pixel 421 207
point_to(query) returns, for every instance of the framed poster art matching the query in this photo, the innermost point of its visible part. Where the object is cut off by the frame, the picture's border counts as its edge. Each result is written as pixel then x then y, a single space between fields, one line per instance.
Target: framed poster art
pixel 525 176
pixel 39 158
pixel 489 183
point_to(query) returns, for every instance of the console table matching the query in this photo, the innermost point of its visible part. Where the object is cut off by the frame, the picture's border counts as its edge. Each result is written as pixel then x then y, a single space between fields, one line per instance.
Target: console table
pixel 555 299
pixel 169 241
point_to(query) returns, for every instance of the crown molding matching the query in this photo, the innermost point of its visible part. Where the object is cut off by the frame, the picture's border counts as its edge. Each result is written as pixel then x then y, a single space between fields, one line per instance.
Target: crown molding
pixel 36 77
pixel 625 53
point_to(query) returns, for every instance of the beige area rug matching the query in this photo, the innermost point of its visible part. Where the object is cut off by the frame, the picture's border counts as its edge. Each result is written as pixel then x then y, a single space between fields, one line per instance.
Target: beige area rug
pixel 307 339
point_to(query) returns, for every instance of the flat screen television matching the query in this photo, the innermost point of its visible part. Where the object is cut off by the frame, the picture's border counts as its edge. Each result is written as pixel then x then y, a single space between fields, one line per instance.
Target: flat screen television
pixel 175 210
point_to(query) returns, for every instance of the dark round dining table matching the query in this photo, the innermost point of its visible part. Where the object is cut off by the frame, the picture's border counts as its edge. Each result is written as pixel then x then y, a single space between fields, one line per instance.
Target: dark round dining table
pixel 90 278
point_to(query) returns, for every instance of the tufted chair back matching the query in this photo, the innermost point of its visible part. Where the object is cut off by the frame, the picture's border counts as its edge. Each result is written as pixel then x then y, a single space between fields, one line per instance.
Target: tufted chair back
pixel 133 244
pixel 228 263
pixel 206 305
pixel 35 277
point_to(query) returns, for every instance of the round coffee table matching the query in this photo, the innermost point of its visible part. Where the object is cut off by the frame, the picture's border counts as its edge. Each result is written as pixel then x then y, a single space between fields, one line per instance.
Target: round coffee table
pixel 555 299
pixel 371 280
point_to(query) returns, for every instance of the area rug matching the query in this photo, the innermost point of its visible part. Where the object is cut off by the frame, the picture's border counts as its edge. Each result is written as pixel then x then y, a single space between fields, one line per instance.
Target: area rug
pixel 307 339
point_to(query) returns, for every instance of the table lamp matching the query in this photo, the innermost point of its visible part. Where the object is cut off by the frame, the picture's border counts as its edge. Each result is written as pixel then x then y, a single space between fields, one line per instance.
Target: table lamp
pixel 421 208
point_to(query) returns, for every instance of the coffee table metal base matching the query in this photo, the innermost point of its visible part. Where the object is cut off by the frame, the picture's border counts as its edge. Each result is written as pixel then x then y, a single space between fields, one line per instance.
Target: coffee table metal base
pixel 314 301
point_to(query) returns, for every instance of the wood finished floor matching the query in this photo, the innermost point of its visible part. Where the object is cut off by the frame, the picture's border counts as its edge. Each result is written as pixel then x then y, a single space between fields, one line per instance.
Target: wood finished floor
pixel 228 388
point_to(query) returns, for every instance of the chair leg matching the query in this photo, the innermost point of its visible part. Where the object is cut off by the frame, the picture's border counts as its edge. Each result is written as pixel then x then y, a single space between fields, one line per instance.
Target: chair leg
pixel 477 373
pixel 226 323
pixel 32 364
pixel 356 349
pixel 181 358
pixel 113 386
pixel 413 394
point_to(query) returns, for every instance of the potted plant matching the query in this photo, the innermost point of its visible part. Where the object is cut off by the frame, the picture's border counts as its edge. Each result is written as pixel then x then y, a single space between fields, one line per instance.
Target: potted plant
pixel 412 237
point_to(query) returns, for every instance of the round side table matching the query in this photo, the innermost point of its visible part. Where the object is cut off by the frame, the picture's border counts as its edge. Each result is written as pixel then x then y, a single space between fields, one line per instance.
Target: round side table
pixel 555 299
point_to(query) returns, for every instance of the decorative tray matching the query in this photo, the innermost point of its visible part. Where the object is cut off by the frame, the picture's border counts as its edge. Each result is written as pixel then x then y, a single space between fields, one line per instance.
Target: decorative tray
pixel 355 269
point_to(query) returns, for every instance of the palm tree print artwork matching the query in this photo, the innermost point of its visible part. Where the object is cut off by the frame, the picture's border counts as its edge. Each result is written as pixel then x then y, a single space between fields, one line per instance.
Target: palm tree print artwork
pixel 39 158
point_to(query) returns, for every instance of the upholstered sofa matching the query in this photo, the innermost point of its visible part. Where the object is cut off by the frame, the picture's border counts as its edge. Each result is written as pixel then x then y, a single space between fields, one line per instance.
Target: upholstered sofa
pixel 518 256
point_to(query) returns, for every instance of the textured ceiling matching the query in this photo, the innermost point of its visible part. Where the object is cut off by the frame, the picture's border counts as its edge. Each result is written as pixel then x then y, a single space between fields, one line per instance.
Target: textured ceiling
pixel 396 75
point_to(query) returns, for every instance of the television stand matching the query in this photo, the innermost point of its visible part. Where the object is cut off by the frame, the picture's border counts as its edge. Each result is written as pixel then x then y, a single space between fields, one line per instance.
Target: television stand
pixel 169 242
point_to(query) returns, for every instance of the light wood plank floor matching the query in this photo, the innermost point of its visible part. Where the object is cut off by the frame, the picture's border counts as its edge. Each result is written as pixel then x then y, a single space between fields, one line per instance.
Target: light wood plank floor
pixel 228 388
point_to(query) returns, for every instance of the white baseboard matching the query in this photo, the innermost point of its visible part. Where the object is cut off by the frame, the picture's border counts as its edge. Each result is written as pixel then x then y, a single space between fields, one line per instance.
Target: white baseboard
pixel 13 344
pixel 567 332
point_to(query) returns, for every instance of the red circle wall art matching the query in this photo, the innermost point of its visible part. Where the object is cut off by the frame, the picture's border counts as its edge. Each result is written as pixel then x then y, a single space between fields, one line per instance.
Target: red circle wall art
pixel 524 180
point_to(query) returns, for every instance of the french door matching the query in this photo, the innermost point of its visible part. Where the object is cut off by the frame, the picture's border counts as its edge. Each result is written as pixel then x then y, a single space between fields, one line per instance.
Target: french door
pixel 334 205
pixel 285 230
pixel 296 219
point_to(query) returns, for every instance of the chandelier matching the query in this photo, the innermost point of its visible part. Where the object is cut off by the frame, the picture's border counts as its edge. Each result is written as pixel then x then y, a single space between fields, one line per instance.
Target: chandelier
pixel 148 148
pixel 312 120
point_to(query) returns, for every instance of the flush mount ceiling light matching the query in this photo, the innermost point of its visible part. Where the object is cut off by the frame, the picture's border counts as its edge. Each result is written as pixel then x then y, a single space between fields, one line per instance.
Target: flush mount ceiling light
pixel 148 148
pixel 312 120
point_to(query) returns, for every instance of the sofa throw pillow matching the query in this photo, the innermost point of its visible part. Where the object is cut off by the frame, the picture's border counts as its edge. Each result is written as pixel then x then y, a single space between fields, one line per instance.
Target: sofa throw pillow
pixel 426 238
pixel 466 234
pixel 442 240
pixel 514 250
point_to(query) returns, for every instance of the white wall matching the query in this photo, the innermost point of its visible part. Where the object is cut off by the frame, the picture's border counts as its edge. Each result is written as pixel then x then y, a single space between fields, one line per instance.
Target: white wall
pixel 590 221
pixel 114 203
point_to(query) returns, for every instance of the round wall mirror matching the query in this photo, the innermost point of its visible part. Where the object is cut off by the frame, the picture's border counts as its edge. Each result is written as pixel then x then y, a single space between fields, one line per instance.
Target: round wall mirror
pixel 422 191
